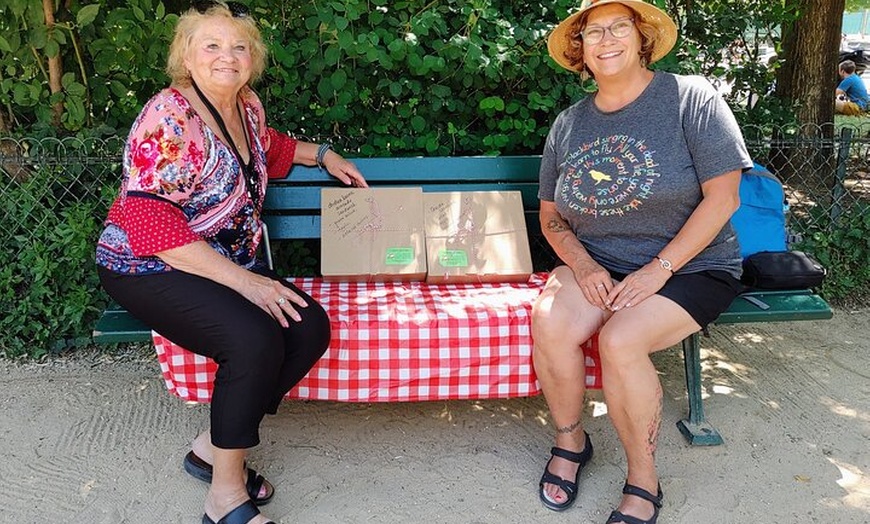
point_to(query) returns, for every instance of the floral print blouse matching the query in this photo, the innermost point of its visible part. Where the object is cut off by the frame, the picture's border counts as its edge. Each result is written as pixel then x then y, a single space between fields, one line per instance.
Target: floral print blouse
pixel 181 183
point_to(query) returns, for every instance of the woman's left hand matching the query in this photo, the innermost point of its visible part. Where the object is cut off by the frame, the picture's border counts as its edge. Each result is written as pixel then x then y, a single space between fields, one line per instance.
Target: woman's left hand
pixel 638 286
pixel 343 169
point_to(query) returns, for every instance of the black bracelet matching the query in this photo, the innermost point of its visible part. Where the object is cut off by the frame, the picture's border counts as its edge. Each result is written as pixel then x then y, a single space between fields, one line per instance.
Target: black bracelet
pixel 321 152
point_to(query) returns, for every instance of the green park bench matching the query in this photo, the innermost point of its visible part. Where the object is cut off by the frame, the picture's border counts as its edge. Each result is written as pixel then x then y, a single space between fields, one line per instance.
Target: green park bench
pixel 292 212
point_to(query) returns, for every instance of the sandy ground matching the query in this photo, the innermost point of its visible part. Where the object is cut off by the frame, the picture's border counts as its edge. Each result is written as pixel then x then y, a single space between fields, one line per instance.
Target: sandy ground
pixel 95 438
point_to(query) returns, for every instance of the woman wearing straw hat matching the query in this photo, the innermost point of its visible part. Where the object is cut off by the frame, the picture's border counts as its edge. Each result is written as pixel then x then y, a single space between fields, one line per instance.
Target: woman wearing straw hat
pixel 637 184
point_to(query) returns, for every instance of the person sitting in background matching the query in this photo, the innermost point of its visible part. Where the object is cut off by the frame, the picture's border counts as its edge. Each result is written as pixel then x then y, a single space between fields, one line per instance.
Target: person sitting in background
pixel 180 242
pixel 851 93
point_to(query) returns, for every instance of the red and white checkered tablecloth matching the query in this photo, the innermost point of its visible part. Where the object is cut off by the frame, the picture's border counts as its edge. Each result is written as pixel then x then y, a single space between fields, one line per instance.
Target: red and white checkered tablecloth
pixel 405 342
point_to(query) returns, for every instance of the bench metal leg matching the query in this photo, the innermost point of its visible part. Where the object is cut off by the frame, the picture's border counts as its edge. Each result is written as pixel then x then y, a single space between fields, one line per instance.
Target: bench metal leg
pixel 695 428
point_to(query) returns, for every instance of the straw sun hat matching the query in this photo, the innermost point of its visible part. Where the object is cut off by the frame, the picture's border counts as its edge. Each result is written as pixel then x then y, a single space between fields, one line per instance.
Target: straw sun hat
pixel 559 39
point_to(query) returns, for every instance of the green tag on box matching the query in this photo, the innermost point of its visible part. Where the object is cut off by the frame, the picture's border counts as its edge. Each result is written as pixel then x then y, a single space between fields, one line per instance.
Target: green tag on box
pixel 399 256
pixel 453 258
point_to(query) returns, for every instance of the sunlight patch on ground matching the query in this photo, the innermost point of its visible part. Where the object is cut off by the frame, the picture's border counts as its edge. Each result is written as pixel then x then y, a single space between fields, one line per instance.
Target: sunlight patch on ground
pixel 729 367
pixel 723 390
pixel 855 483
pixel 772 404
pixel 839 408
pixel 715 361
pixel 599 409
pixel 748 337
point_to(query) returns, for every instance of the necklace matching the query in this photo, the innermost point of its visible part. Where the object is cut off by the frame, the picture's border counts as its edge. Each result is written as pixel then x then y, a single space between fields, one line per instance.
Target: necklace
pixel 249 172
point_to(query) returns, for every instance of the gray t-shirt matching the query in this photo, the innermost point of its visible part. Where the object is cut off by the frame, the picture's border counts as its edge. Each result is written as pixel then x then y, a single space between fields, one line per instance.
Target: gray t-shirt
pixel 627 181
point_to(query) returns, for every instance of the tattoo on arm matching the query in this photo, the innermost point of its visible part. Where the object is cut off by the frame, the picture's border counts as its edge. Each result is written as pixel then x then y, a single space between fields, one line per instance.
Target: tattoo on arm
pixel 557 226
pixel 655 424
pixel 568 429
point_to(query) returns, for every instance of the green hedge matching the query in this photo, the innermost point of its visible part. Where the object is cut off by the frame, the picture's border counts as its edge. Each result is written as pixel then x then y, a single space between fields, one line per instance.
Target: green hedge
pixel 443 78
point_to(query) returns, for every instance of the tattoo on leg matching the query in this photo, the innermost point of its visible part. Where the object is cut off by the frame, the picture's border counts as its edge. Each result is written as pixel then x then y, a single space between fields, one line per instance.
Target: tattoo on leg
pixel 557 226
pixel 569 429
pixel 655 424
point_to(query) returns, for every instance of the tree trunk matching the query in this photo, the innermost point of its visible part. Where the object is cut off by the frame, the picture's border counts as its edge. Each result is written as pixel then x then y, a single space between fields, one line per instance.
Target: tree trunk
pixel 808 73
pixel 55 70
pixel 807 76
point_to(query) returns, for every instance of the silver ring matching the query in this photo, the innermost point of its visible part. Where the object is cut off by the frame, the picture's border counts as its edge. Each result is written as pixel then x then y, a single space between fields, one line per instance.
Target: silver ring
pixel 281 301
pixel 600 285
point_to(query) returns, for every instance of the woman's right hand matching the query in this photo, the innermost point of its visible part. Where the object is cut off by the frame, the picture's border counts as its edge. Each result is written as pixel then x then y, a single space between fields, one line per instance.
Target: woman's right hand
pixel 272 297
pixel 198 258
pixel 594 282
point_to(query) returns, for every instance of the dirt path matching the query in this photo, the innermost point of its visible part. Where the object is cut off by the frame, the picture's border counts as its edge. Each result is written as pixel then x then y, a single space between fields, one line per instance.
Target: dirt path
pixel 97 439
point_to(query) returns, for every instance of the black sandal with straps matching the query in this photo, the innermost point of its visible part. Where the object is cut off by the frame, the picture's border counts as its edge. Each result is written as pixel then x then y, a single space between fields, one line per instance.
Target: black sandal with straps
pixel 241 514
pixel 204 471
pixel 570 488
pixel 656 500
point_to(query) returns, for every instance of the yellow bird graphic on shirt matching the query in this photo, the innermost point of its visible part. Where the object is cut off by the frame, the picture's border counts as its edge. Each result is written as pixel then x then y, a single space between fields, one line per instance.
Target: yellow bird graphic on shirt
pixel 598 176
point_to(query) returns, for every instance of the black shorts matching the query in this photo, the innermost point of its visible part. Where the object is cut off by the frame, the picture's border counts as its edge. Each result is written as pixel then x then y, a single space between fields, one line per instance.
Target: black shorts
pixel 704 295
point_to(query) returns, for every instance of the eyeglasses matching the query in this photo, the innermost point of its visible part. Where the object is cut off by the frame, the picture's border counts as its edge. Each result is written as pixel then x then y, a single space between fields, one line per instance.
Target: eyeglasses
pixel 236 9
pixel 619 29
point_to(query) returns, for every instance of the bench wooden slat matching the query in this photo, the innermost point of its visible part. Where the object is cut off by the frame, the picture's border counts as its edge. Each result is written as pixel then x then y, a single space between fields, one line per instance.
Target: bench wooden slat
pixel 283 198
pixel 784 306
pixel 444 169
pixel 293 227
pixel 117 326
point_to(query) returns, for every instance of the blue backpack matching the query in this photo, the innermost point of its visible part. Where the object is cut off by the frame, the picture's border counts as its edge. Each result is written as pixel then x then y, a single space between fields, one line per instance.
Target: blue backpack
pixel 760 220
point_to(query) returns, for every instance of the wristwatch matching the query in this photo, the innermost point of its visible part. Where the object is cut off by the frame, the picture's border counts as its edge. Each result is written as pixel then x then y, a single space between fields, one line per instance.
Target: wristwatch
pixel 666 264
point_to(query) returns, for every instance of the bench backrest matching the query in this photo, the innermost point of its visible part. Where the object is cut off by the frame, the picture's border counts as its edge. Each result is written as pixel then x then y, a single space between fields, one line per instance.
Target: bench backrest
pixel 292 207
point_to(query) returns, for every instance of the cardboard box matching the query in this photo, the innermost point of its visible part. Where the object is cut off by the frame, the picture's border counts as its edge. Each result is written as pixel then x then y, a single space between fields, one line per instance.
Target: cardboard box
pixel 372 234
pixel 476 236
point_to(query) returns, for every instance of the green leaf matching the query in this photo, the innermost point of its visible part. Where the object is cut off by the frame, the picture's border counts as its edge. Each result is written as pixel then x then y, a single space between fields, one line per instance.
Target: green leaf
pixel 324 88
pixel 331 55
pixel 4 45
pixel 76 89
pixel 418 123
pixel 338 79
pixel 52 49
pixel 345 41
pixel 87 14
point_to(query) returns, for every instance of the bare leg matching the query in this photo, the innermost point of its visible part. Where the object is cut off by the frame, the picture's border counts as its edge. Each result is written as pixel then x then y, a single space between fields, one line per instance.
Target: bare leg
pixel 202 446
pixel 562 320
pixel 227 489
pixel 632 389
pixel 204 449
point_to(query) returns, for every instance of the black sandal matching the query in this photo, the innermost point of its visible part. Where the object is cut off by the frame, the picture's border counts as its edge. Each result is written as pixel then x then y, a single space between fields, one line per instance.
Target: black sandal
pixel 570 488
pixel 629 489
pixel 241 514
pixel 204 471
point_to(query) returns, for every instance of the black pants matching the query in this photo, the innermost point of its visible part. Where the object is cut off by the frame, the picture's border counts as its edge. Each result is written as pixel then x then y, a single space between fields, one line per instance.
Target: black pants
pixel 258 360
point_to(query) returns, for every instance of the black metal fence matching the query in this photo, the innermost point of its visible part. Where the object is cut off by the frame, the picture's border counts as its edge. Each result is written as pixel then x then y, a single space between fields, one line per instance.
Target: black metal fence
pixel 55 193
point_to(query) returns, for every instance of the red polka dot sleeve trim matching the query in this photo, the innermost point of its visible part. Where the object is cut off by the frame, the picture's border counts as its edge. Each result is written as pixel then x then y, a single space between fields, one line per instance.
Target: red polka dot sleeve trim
pixel 279 157
pixel 154 225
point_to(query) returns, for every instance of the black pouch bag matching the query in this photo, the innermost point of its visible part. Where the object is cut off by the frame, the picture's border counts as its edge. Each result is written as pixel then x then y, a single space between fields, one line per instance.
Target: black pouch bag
pixel 782 270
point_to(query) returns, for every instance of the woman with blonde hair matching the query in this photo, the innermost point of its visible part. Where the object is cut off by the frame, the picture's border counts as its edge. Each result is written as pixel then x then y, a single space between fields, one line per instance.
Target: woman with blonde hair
pixel 179 250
